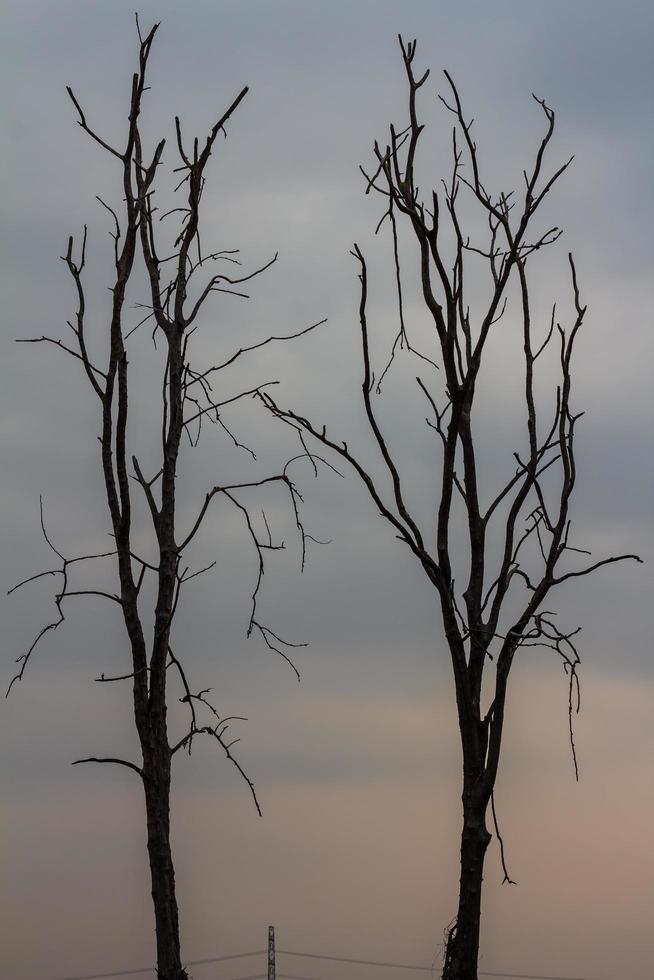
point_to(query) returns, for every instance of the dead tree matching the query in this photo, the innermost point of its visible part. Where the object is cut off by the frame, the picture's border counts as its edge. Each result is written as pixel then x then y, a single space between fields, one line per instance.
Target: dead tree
pixel 174 306
pixel 501 607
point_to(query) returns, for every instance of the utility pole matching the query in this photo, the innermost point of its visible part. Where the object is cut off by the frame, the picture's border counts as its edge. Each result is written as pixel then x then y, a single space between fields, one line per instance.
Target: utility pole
pixel 271 953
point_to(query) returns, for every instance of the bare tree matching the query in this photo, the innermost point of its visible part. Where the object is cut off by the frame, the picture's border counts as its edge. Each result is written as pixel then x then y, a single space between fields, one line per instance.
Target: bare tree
pixel 501 608
pixel 173 308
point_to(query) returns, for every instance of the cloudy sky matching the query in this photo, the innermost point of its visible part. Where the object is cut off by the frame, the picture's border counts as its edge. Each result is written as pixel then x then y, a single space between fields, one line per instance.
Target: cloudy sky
pixel 357 767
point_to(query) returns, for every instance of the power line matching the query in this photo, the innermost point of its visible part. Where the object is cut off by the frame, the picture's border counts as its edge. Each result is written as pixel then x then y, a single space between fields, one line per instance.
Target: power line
pixel 117 973
pixel 426 969
pixel 259 976
pixel 222 959
pixel 316 956
pixel 531 976
pixel 153 969
pixel 345 959
pixel 288 976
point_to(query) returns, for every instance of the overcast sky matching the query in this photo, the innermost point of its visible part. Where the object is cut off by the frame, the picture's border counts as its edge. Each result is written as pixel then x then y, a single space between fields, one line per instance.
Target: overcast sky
pixel 357 767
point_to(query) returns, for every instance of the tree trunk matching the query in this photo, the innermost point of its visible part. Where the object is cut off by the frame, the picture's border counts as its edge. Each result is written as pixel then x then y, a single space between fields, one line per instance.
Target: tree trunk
pixel 156 781
pixel 463 940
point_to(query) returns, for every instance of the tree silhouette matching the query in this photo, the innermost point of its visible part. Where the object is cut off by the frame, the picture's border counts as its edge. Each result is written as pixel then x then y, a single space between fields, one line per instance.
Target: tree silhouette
pixel 186 398
pixel 501 608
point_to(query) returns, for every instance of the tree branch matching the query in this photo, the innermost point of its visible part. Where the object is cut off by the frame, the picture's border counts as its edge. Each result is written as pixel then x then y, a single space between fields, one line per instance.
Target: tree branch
pixel 118 762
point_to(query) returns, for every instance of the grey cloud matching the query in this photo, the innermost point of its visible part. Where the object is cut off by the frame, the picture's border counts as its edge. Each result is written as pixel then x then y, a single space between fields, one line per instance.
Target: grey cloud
pixel 325 81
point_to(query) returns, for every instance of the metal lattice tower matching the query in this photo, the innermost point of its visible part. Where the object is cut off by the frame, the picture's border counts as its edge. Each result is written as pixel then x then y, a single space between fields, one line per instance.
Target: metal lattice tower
pixel 271 953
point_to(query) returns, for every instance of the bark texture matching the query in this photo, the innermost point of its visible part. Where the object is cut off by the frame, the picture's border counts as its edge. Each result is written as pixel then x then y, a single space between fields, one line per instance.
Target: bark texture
pixel 462 951
pixel 156 782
